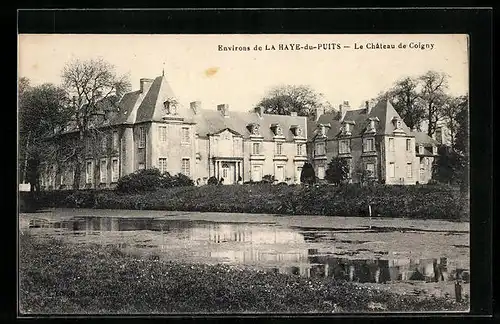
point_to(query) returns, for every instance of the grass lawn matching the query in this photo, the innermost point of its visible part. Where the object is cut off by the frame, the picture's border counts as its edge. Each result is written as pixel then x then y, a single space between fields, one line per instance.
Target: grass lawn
pixel 64 278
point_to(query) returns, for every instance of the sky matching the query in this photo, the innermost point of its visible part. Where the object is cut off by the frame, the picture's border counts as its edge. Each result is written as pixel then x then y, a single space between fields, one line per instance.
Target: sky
pixel 197 69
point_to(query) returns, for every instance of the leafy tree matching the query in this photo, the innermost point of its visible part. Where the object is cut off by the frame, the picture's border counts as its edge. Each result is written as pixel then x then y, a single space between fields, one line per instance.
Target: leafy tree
pixel 455 113
pixel 308 176
pixel 433 95
pixel 337 171
pixel 43 112
pixel 418 100
pixel 461 141
pixel 407 101
pixel 93 84
pixel 449 166
pixel 285 99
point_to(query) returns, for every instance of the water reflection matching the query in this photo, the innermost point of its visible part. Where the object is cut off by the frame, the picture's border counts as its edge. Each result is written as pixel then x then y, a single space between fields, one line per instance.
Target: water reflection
pixel 269 246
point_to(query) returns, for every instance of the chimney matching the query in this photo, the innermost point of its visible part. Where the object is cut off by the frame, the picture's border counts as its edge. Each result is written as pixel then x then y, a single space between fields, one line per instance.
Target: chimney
pixel 293 113
pixel 145 84
pixel 318 112
pixel 224 109
pixel 259 111
pixel 195 106
pixel 368 107
pixel 343 109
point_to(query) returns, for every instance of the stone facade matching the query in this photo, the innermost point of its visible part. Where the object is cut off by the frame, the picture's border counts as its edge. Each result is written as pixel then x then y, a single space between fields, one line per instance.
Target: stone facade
pixel 375 141
pixel 149 129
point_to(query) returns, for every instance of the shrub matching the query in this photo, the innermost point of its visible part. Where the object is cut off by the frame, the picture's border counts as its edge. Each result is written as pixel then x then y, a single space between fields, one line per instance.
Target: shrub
pixel 182 180
pixel 307 175
pixel 151 180
pixel 80 199
pixel 268 178
pixel 337 171
pixel 212 181
pixel 140 181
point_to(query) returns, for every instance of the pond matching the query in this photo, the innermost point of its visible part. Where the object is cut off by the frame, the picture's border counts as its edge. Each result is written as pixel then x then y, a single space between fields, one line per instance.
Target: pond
pixel 358 249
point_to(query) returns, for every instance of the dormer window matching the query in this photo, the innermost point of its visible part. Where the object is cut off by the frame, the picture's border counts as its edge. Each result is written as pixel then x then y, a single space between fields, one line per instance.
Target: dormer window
pixel 420 149
pixel 434 150
pixel 371 127
pixel 277 130
pixel 397 122
pixel 254 129
pixel 296 130
pixel 346 128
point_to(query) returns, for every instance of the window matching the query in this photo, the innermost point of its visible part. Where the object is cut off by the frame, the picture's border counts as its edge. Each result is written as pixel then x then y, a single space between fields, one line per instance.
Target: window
pixel 185 134
pixel 104 142
pixel 103 169
pixel 280 173
pixel 300 149
pixel 297 175
pixel 163 133
pixel 344 147
pixel 142 137
pixel 370 167
pixel 409 170
pixel 392 170
pixel 255 148
pixel 279 148
pixel 88 144
pixel 166 106
pixel 321 172
pixel 420 149
pixel 115 140
pixel 256 173
pixel 391 144
pixel 347 128
pixel 89 171
pixel 114 170
pixel 368 145
pixel 162 165
pixel 434 150
pixel 225 170
pixel 320 148
pixel 408 145
pixel 141 166
pixel 185 167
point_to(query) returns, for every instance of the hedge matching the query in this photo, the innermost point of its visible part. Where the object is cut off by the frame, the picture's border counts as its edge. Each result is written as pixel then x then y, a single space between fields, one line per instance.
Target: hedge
pixel 418 202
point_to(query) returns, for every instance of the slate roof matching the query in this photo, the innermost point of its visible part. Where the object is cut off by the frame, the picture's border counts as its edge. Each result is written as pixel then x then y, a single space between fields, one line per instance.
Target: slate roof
pixel 383 110
pixel 212 122
pixel 424 139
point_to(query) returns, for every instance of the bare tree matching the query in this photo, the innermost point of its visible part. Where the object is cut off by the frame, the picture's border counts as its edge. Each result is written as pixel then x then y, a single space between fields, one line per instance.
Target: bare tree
pixel 92 84
pixel 434 85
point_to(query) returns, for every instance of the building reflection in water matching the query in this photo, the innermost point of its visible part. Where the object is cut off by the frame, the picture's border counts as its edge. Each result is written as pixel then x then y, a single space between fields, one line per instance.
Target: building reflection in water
pixel 277 249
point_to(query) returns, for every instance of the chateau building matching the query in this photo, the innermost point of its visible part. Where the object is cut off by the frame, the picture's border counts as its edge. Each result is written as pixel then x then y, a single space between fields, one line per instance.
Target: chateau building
pixel 149 129
pixel 376 143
